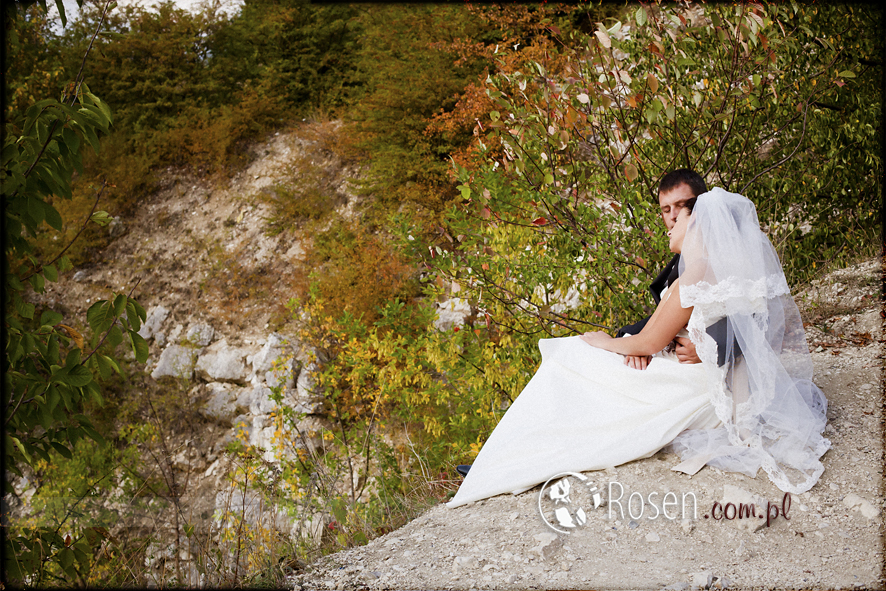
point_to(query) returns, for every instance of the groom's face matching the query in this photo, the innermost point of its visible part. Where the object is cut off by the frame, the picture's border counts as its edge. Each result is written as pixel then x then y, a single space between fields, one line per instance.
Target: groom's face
pixel 671 202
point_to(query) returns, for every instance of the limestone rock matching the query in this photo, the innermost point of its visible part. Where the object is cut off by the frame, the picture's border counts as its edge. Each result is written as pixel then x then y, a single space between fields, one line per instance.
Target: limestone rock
pixel 222 363
pixel 240 503
pixel 153 322
pixel 314 407
pixel 309 528
pixel 464 563
pixel 306 386
pixel 116 227
pixel 863 506
pixel 223 402
pixel 738 496
pixel 240 423
pixel 200 334
pixel 548 544
pixel 452 313
pixel 275 348
pixel 702 579
pixel 261 403
pixel 175 361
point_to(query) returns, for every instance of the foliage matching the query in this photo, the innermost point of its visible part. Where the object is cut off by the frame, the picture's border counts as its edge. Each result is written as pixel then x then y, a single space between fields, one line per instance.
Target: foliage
pixel 307 50
pixel 409 74
pixel 557 230
pixel 52 371
pixel 32 70
pixel 559 130
pixel 354 271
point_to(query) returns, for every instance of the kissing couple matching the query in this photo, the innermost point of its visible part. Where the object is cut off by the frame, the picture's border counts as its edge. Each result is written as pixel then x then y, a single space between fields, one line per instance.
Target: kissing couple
pixel 719 373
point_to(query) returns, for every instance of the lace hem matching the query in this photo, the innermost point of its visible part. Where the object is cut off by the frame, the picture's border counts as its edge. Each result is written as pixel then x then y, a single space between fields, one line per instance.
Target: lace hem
pixel 732 290
pixel 740 441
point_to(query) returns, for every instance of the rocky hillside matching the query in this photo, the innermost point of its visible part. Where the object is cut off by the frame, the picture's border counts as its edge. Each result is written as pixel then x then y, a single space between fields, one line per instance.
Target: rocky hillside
pixel 214 282
pixel 832 537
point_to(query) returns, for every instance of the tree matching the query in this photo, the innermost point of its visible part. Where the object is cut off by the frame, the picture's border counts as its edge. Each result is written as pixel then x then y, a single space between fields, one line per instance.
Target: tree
pixel 51 370
pixel 559 231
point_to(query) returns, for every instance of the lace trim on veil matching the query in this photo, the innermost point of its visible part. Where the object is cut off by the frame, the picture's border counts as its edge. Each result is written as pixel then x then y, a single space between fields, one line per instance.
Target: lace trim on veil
pixel 743 449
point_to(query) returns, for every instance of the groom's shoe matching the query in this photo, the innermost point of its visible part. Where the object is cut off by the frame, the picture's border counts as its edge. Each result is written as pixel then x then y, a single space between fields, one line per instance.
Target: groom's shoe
pixel 463 469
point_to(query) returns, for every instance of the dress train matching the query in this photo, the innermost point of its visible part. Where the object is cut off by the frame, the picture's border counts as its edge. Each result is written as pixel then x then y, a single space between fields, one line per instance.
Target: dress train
pixel 585 410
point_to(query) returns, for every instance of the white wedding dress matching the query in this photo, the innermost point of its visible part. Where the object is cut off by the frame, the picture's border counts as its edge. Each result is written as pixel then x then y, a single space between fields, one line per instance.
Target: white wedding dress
pixel 585 410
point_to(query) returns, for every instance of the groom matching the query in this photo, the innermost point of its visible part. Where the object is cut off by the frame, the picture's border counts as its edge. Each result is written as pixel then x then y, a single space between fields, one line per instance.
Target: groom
pixel 674 190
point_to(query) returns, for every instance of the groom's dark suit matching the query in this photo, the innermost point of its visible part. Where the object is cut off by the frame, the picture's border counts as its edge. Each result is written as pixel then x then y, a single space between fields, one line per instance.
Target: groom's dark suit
pixel 664 279
pixel 720 331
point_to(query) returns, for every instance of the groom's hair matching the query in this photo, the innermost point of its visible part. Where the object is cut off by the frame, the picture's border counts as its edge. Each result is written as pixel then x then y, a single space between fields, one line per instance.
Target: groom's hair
pixel 682 176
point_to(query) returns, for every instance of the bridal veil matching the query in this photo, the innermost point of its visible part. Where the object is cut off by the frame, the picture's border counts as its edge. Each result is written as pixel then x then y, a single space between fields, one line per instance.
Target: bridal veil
pixel 749 335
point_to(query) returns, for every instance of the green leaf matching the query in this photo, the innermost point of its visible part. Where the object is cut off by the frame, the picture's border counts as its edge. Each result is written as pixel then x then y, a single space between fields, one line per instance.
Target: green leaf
pixel 847 74
pixel 51 273
pixel 91 137
pixel 100 316
pixel 62 450
pixel 53 218
pixel 26 310
pixel 37 282
pixel 115 336
pixel 89 429
pixel 139 347
pixel 60 5
pixel 14 282
pixel 132 314
pixel 50 318
pixel 105 369
pixel 66 559
pixel 21 448
pixel 73 359
pixel 102 218
pixel 34 112
pixel 640 16
pixel 119 304
pixel 71 139
pixel 79 376
pixel 36 209
pixel 112 363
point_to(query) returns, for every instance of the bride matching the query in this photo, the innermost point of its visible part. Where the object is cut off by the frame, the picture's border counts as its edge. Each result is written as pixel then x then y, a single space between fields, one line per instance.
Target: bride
pixel 750 404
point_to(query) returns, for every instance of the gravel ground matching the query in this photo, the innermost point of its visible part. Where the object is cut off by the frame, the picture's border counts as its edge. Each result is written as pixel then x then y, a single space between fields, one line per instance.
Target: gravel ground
pixel 832 537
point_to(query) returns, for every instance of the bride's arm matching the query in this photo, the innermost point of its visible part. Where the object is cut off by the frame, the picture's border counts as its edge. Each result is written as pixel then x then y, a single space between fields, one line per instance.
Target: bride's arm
pixel 667 320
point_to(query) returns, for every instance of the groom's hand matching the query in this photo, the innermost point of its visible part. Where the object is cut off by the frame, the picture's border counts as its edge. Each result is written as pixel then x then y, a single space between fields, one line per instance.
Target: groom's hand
pixel 638 361
pixel 686 351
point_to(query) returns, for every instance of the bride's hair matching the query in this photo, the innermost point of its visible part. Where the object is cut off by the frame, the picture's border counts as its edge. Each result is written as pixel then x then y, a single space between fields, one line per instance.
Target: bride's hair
pixel 690 204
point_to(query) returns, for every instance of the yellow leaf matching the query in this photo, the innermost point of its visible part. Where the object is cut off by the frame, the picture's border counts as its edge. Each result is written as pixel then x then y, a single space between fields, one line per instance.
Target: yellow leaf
pixel 652 81
pixel 72 334
pixel 631 172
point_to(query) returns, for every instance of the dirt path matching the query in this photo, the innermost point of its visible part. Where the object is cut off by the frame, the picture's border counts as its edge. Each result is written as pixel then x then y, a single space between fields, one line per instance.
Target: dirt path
pixel 832 538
